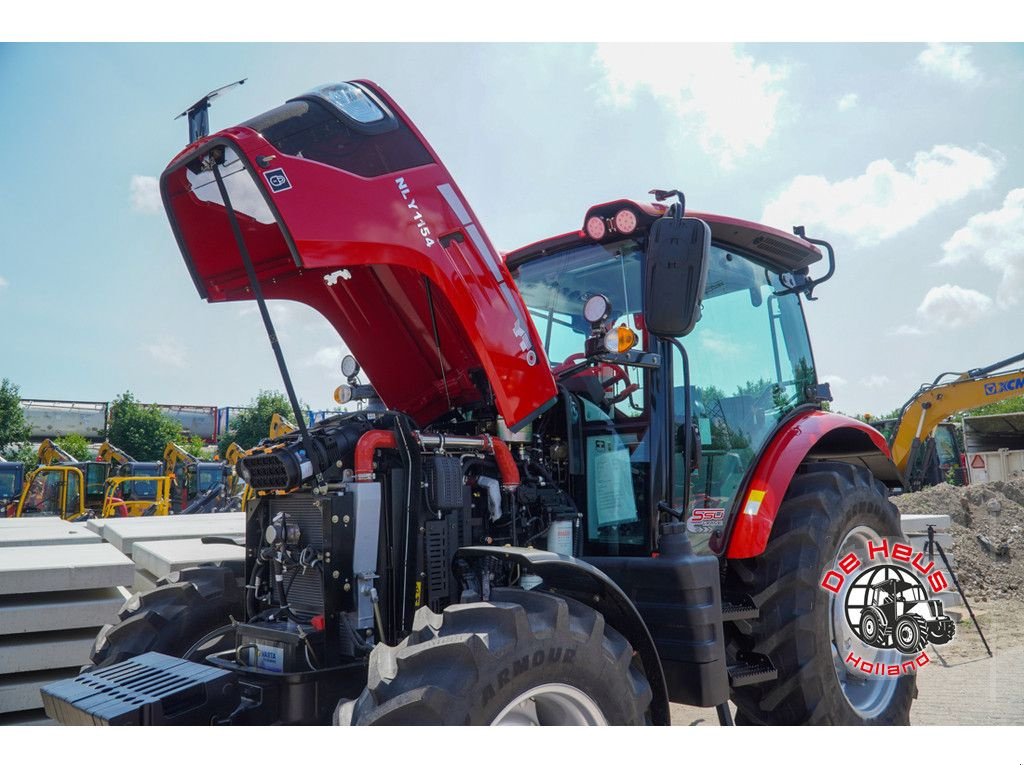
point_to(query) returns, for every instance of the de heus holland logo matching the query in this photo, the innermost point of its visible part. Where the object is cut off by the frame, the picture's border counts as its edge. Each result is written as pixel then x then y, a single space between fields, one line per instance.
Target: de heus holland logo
pixel 277 179
pixel 891 608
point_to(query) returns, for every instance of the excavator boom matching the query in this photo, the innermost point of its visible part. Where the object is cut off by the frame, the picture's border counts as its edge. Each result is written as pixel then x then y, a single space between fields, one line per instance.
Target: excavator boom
pixel 51 453
pixel 935 402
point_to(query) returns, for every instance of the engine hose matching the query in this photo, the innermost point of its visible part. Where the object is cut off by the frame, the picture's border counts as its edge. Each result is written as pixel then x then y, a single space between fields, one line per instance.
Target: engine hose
pixel 205 639
pixel 252 589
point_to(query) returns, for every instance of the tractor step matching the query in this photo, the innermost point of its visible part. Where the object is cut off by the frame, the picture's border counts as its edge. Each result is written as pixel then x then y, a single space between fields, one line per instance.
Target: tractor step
pixel 739 608
pixel 754 673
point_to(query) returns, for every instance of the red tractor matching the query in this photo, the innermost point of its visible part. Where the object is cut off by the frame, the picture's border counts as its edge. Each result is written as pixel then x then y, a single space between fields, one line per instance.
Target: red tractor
pixel 591 478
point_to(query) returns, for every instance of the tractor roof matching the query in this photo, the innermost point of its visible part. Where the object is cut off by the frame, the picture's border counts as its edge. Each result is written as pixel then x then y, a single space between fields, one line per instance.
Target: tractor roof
pixel 779 250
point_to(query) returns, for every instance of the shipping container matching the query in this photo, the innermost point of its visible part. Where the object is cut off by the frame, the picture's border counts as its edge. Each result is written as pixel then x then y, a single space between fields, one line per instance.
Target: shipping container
pixel 59 418
pixel 994 446
pixel 198 420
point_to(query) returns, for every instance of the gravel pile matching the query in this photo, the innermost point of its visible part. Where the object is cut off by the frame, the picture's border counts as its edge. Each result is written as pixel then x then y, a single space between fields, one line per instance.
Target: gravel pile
pixel 988 533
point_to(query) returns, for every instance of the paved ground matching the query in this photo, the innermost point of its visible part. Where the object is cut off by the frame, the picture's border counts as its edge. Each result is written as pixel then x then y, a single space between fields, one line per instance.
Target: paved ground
pixel 962 685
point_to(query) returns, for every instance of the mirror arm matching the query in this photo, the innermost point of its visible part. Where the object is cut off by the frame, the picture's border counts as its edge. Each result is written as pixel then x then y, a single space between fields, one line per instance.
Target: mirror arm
pixel 802 283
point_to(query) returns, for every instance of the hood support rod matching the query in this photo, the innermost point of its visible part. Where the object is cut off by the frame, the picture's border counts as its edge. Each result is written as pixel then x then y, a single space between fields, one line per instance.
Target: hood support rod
pixel 265 314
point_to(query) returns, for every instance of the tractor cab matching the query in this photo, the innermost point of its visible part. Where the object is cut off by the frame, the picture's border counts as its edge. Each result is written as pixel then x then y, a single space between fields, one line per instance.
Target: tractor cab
pixel 744 367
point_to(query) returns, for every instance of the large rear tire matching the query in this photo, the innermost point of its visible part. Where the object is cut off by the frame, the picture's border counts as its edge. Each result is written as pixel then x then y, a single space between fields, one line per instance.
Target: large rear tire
pixel 525 658
pixel 830 506
pixel 173 617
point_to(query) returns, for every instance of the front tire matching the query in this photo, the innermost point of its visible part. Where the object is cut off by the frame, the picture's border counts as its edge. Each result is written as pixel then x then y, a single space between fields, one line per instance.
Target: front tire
pixel 910 633
pixel 830 506
pixel 171 618
pixel 525 658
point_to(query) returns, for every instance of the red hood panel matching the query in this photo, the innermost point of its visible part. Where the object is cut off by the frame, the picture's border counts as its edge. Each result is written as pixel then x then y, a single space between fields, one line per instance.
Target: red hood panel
pixel 372 253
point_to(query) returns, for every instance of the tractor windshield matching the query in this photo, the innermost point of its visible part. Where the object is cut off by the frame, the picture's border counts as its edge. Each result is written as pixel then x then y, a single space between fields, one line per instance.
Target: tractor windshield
pixel 750 359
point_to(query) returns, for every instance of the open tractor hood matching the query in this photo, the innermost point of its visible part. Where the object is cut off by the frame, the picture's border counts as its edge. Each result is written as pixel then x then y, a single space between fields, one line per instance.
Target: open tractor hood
pixel 345 207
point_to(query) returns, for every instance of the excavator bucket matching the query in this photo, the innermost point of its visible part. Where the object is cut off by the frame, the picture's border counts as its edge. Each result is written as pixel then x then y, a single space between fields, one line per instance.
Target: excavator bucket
pixel 343 206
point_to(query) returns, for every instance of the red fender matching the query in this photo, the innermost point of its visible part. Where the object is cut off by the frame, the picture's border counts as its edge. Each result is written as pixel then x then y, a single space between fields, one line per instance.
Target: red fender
pixel 774 472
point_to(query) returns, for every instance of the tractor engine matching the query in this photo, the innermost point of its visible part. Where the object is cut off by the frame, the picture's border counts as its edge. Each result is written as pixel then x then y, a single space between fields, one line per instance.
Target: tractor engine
pixel 358 526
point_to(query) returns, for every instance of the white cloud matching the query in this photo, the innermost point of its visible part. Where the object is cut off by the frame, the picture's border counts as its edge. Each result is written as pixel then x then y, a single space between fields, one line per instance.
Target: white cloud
pixel 3 282
pixel 906 330
pixel 728 98
pixel 947 60
pixel 884 200
pixel 833 379
pixel 145 194
pixel 720 344
pixel 327 358
pixel 847 102
pixel 875 381
pixel 950 306
pixel 169 352
pixel 996 239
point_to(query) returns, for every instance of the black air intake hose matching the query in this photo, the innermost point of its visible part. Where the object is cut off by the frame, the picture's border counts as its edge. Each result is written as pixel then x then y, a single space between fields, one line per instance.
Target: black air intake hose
pixel 283 465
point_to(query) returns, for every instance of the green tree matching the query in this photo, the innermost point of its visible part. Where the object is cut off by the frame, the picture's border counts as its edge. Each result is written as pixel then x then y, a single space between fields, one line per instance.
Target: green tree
pixel 253 424
pixel 140 430
pixel 76 445
pixel 13 428
pixel 1010 405
pixel 194 444
pixel 26 454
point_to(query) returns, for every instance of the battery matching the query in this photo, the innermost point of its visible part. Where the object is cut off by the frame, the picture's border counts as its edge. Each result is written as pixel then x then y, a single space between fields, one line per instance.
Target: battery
pixel 274 648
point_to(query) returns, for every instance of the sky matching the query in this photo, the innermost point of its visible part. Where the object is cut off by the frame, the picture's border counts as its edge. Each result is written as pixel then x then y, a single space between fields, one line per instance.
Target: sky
pixel 908 158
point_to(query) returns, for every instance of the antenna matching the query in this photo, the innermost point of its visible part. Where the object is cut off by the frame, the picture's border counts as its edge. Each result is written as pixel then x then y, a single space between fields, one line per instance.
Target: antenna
pixel 198 113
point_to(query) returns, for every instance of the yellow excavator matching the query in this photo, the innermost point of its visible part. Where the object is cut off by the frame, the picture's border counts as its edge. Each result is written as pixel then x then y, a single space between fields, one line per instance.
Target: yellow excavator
pixel 193 478
pixel 912 441
pixel 75 490
pixel 236 486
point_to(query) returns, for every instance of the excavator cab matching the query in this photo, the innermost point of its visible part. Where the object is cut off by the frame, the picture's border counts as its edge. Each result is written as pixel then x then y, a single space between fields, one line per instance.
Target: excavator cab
pixel 12 477
pixel 54 492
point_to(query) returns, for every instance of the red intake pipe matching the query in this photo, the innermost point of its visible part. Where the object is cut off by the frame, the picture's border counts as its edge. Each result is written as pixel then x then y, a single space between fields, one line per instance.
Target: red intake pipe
pixel 382 438
pixel 506 466
pixel 367 446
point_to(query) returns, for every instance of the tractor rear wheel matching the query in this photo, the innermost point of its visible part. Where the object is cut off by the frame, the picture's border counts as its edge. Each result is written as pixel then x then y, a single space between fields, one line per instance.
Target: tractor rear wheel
pixel 830 508
pixel 524 658
pixel 173 617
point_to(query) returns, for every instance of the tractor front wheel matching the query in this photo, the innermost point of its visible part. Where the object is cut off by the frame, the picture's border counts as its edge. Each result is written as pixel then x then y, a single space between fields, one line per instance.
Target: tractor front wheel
pixel 910 633
pixel 830 509
pixel 524 658
pixel 172 618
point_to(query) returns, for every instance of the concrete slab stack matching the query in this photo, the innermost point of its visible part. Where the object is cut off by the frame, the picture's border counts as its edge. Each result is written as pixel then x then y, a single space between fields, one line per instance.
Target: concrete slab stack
pixel 161 545
pixel 59 583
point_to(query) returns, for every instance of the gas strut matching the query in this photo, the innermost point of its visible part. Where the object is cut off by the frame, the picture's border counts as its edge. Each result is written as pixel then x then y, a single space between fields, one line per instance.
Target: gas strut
pixel 243 250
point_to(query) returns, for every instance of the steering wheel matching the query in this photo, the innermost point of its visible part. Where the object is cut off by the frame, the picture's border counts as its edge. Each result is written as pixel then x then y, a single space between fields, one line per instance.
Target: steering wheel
pixel 618 373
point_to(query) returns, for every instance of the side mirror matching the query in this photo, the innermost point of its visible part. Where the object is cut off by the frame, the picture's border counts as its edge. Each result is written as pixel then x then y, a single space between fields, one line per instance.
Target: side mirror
pixel 677 270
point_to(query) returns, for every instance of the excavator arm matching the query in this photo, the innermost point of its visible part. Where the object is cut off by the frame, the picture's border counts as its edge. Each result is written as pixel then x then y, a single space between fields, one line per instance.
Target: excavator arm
pixel 280 426
pixel 935 402
pixel 50 453
pixel 173 453
pixel 113 455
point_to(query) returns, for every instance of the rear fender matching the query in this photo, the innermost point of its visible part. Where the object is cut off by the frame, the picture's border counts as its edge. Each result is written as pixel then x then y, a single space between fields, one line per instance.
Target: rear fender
pixel 808 436
pixel 583 582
